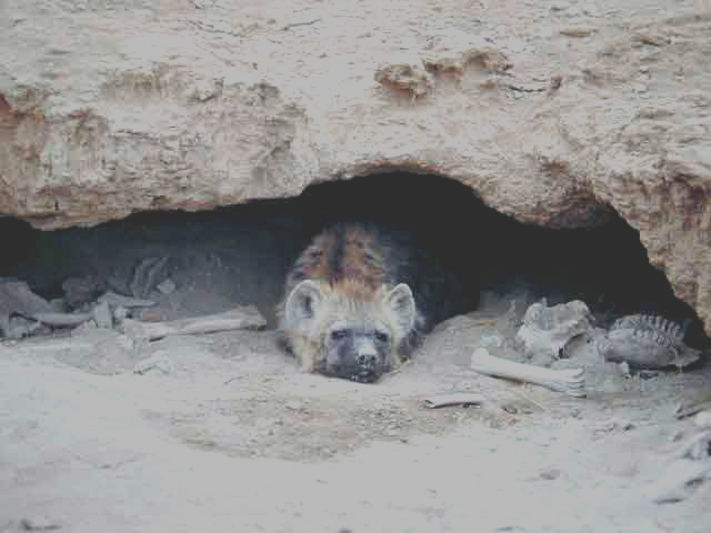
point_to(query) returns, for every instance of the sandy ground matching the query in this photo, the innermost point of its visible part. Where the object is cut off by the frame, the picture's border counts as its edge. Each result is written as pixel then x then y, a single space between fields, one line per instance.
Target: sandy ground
pixel 224 433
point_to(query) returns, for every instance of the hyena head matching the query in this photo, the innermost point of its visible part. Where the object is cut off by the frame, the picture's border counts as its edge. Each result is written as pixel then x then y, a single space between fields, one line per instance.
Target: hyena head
pixel 347 329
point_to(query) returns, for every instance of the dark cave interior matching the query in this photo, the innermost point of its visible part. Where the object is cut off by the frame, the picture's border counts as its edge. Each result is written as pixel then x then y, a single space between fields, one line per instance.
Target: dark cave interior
pixel 241 254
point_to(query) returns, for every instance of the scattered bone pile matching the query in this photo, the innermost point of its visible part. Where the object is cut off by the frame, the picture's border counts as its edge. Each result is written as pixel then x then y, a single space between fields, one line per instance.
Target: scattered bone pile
pixel 114 303
pixel 24 313
pixel 640 341
pixel 546 333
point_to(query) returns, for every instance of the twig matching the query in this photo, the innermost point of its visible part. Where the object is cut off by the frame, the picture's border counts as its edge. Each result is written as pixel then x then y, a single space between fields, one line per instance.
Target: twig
pixel 295 24
pixel 454 398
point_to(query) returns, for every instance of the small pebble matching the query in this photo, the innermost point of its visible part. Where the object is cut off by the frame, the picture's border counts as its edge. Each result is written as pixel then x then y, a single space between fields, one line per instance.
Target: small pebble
pixel 550 473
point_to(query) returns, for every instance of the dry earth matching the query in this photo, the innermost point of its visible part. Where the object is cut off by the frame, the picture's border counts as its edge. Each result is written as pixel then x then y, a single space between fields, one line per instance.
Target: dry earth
pixel 223 433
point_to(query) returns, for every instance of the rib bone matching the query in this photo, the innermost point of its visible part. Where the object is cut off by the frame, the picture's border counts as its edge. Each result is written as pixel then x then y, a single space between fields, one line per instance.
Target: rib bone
pixel 570 381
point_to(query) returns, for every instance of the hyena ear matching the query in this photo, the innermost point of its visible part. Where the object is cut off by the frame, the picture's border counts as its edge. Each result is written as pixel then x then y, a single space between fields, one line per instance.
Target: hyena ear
pixel 402 302
pixel 302 302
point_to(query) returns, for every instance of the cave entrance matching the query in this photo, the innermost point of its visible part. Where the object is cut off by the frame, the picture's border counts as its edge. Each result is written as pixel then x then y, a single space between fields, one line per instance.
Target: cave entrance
pixel 206 262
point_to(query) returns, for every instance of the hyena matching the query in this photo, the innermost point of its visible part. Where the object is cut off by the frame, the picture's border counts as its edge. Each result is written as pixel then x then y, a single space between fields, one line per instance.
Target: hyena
pixel 349 309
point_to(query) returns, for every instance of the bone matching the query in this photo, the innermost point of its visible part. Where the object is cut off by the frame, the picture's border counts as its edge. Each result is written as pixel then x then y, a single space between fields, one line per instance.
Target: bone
pixel 570 381
pixel 648 342
pixel 118 300
pixel 16 297
pixel 456 398
pixel 62 320
pixel 546 330
pixel 102 315
pixel 146 274
pixel 19 327
pixel 240 318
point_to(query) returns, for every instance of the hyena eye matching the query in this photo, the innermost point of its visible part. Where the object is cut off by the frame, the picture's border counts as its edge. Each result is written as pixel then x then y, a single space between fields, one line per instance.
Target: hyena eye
pixel 382 336
pixel 338 334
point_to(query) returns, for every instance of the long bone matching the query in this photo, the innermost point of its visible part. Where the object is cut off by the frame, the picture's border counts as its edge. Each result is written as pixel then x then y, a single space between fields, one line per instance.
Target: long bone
pixel 247 317
pixel 571 381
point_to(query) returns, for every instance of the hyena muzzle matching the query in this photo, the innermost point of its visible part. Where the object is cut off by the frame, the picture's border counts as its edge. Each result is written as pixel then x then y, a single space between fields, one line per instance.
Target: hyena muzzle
pixel 349 309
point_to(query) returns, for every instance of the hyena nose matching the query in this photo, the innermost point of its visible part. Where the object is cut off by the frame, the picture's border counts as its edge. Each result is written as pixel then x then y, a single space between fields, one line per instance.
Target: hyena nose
pixel 366 360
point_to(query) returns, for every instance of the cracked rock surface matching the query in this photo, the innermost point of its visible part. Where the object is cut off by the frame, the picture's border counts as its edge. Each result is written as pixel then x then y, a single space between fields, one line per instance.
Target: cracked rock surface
pixel 554 113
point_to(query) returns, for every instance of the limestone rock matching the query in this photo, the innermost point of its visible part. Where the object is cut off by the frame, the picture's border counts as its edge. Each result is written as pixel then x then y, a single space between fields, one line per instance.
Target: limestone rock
pixel 109 108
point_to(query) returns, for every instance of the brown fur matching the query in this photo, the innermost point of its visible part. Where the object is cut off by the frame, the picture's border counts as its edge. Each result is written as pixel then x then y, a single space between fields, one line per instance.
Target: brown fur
pixel 361 262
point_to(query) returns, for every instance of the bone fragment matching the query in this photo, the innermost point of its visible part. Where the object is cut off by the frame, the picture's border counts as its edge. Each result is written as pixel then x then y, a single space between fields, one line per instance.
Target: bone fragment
pixel 16 297
pixel 20 327
pixel 546 330
pixel 650 342
pixel 456 398
pixel 570 381
pixel 117 300
pixel 102 315
pixel 62 320
pixel 145 275
pixel 240 318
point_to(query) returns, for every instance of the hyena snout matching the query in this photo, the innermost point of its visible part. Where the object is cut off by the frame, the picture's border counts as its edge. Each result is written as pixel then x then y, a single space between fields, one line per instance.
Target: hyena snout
pixel 365 350
pixel 367 360
pixel 368 363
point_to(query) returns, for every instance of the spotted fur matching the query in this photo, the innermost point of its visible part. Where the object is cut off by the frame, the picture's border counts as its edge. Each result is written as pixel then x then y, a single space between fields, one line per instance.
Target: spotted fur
pixel 350 292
